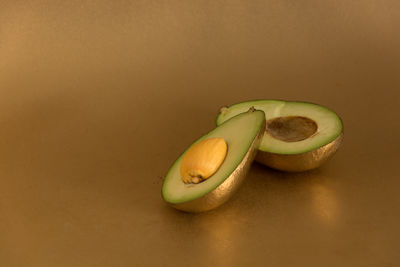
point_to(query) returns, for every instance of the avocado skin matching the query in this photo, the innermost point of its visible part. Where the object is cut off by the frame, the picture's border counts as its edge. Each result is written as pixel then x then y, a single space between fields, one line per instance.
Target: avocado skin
pixel 300 162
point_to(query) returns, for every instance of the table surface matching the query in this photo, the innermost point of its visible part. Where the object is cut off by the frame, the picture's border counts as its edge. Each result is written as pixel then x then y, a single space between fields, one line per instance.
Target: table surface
pixel 98 98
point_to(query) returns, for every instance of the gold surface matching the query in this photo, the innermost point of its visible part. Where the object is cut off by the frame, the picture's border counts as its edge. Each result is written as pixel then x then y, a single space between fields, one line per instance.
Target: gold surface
pixel 303 161
pixel 98 98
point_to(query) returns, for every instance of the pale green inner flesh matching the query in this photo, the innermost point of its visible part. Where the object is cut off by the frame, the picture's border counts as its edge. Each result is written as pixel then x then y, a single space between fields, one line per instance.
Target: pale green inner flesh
pixel 329 124
pixel 239 133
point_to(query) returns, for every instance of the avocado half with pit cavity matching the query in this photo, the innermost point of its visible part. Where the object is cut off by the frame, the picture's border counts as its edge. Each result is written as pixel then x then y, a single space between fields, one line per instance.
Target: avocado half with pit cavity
pixel 299 136
pixel 213 167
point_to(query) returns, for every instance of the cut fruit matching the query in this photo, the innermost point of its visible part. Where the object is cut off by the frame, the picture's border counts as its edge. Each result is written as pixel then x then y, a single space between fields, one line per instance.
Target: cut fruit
pixel 298 136
pixel 242 134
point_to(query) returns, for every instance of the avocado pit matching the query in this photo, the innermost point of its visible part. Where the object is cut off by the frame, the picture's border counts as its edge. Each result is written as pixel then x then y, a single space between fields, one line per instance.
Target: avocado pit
pixel 291 128
pixel 202 160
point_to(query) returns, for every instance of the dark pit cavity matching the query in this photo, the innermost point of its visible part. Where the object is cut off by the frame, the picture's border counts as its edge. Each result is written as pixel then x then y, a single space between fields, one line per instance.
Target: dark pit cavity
pixel 291 128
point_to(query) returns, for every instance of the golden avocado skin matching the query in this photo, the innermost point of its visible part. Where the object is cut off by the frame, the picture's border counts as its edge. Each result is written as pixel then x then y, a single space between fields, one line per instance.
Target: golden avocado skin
pixel 300 162
pixel 224 191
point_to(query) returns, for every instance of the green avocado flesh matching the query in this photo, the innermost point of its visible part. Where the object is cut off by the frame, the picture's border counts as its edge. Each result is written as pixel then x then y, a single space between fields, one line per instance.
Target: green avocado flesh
pixel 239 133
pixel 316 125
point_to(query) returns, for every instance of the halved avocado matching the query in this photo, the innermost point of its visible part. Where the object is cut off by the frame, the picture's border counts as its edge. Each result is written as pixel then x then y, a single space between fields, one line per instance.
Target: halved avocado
pixel 242 134
pixel 299 136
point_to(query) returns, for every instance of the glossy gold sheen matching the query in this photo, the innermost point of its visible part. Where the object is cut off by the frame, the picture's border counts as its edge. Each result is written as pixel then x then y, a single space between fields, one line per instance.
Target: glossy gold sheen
pixel 98 97
pixel 225 190
pixel 300 162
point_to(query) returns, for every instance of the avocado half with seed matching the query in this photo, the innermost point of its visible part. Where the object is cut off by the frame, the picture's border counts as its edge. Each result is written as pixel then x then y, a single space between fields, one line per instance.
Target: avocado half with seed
pixel 299 136
pixel 213 167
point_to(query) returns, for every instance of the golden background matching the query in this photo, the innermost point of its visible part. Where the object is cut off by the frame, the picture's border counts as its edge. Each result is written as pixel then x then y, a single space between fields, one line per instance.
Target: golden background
pixel 98 98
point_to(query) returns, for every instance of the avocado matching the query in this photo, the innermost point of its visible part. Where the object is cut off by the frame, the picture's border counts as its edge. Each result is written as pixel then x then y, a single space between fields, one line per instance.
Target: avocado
pixel 299 136
pixel 242 134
